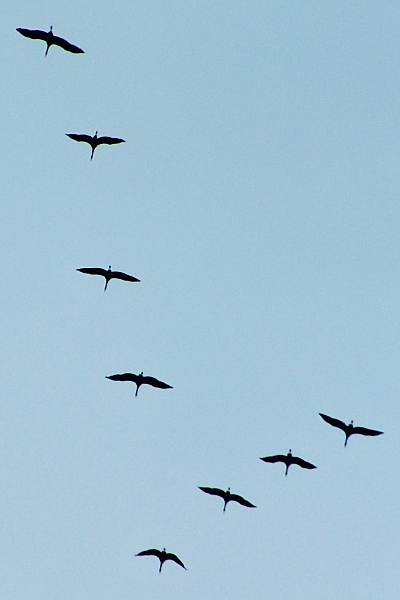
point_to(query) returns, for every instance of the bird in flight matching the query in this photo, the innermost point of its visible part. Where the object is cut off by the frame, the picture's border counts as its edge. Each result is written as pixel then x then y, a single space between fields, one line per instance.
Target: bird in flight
pixel 108 274
pixel 349 429
pixel 227 496
pixel 50 39
pixel 94 141
pixel 288 460
pixel 139 380
pixel 162 556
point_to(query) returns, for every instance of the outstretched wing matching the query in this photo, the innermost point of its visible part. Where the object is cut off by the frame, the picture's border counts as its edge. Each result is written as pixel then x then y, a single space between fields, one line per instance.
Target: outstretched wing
pixel 302 463
pixel 365 431
pixel 80 137
pixel 274 459
pixel 123 276
pixel 170 556
pixel 34 34
pixel 109 140
pixel 150 552
pixel 123 377
pixel 241 501
pixel 334 422
pixel 59 41
pixel 213 491
pixel 156 383
pixel 93 271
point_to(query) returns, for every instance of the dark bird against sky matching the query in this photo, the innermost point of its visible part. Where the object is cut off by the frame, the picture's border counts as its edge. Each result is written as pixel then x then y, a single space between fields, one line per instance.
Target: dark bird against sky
pixel 227 496
pixel 162 556
pixel 50 39
pixel 288 460
pixel 139 380
pixel 94 141
pixel 349 429
pixel 108 274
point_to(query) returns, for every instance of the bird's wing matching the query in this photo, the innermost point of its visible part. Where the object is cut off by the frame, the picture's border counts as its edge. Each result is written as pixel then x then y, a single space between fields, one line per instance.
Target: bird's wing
pixel 365 431
pixel 241 501
pixel 80 137
pixel 34 34
pixel 302 463
pixel 123 276
pixel 213 491
pixel 59 41
pixel 170 556
pixel 274 459
pixel 150 552
pixel 93 271
pixel 109 140
pixel 123 377
pixel 334 422
pixel 156 383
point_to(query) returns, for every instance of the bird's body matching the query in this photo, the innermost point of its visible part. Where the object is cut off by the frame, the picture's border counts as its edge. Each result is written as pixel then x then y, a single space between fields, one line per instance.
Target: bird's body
pixel 94 141
pixel 288 459
pixel 139 380
pixel 227 496
pixel 349 429
pixel 162 556
pixel 108 274
pixel 50 39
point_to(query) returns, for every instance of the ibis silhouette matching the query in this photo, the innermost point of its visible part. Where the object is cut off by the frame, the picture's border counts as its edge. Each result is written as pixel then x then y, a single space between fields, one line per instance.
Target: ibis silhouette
pixel 288 460
pixel 349 429
pixel 50 39
pixel 162 556
pixel 227 496
pixel 139 380
pixel 108 274
pixel 94 141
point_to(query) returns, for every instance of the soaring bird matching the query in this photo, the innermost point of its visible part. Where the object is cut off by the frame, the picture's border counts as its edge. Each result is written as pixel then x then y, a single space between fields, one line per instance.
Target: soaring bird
pixel 139 380
pixel 289 459
pixel 50 39
pixel 162 556
pixel 349 429
pixel 107 274
pixel 94 141
pixel 227 496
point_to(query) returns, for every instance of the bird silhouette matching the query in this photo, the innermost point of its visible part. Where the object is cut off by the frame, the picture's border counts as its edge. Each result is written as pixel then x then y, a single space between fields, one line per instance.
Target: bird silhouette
pixel 227 496
pixel 50 39
pixel 139 380
pixel 349 429
pixel 108 274
pixel 288 460
pixel 162 556
pixel 94 141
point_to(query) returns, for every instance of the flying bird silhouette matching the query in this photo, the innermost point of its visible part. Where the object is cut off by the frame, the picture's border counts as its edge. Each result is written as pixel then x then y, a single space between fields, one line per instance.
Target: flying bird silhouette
pixel 108 274
pixel 94 141
pixel 227 496
pixel 162 556
pixel 139 380
pixel 349 429
pixel 50 39
pixel 288 460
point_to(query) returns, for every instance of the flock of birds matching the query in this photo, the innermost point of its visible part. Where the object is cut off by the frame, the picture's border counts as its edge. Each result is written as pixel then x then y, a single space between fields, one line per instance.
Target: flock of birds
pixel 287 459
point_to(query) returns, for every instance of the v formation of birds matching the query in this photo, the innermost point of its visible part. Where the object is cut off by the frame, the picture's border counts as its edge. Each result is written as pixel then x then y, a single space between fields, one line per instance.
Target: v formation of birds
pixel 287 459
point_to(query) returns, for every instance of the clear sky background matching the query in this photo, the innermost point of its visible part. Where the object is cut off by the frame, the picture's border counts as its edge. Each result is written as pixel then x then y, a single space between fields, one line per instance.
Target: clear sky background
pixel 257 197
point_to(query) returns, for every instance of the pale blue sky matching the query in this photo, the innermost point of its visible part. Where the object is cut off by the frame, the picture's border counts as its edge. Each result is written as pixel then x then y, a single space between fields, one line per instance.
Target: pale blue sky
pixel 257 199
